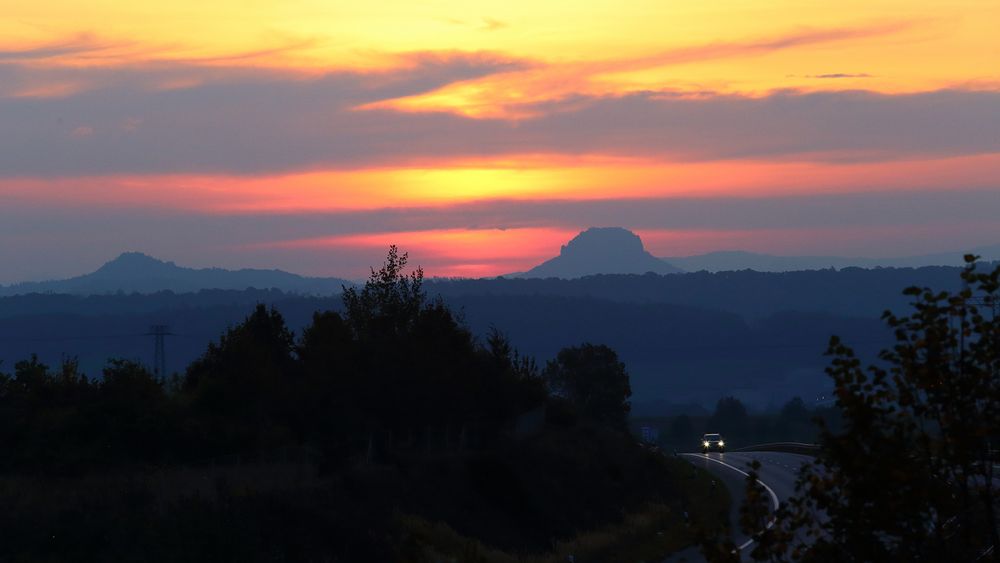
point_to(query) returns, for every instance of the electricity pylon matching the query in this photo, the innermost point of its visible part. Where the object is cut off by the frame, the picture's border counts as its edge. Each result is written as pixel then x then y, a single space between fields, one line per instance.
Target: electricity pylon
pixel 159 334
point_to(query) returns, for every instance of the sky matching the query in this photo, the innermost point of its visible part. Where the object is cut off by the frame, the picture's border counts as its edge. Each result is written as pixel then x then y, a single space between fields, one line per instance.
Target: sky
pixel 308 135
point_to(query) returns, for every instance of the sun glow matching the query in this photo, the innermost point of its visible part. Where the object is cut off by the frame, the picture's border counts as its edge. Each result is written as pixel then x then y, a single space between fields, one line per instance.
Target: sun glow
pixel 451 252
pixel 528 178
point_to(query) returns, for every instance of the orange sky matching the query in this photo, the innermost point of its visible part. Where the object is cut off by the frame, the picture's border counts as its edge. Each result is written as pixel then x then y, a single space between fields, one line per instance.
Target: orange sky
pixel 203 112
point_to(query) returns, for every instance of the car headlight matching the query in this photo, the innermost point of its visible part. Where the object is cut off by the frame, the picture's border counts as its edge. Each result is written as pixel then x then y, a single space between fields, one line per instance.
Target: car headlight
pixel 721 443
pixel 706 444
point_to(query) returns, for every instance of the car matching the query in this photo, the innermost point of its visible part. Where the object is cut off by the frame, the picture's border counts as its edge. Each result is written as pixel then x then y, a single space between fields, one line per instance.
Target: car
pixel 713 441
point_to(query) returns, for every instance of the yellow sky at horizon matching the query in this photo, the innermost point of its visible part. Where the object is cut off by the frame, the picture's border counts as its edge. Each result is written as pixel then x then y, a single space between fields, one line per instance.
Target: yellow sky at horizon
pixel 520 178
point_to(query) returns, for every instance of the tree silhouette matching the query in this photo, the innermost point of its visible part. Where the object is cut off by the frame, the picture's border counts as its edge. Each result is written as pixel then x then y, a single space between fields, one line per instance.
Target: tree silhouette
pixel 729 419
pixel 253 352
pixel 390 300
pixel 327 347
pixel 247 380
pixel 910 475
pixel 795 421
pixel 330 402
pixel 130 413
pixel 591 378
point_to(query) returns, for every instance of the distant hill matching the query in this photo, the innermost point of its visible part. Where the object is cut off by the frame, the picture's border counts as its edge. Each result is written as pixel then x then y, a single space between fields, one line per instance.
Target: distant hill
pixel 601 250
pixel 735 260
pixel 134 272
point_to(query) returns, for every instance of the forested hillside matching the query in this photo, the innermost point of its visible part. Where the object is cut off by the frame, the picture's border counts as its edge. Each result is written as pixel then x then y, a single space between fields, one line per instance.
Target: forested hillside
pixel 676 353
pixel 848 292
pixel 686 337
pixel 384 432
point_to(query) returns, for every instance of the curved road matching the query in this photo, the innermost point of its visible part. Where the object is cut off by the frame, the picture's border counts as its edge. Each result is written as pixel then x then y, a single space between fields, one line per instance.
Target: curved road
pixel 778 473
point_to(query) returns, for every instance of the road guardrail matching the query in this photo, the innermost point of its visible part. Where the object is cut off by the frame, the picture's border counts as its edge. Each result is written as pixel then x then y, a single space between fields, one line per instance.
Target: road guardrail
pixel 784 447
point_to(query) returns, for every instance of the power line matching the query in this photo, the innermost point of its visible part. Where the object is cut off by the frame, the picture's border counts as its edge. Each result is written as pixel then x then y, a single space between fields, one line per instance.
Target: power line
pixel 68 338
pixel 101 337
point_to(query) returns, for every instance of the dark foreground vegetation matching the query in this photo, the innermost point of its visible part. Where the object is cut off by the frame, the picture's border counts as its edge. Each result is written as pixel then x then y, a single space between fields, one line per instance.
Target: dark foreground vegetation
pixel 910 473
pixel 386 433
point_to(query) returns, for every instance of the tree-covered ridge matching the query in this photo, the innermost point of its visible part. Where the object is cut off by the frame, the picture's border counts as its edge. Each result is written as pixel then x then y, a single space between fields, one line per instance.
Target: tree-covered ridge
pixel 350 442
pixel 395 368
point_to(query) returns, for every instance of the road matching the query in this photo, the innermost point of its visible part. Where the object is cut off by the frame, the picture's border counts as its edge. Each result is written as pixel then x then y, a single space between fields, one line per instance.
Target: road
pixel 778 473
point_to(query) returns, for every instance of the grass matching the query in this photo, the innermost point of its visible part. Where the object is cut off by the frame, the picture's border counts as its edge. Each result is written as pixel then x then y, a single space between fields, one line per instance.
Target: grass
pixel 648 534
pixel 289 506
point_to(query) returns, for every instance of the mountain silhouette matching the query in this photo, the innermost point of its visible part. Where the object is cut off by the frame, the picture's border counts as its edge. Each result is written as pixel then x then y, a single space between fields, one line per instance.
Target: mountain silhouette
pixel 134 266
pixel 135 272
pixel 601 250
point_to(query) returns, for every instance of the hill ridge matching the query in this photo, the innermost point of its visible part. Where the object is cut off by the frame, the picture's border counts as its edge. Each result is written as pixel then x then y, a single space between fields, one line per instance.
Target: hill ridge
pixel 601 250
pixel 137 272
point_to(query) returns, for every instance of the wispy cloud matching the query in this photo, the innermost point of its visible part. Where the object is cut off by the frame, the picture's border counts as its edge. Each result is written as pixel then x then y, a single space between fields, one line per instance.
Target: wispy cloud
pixel 493 24
pixel 412 72
pixel 259 125
pixel 754 46
pixel 284 48
pixel 210 116
pixel 485 23
pixel 841 75
pixel 84 43
pixel 507 95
